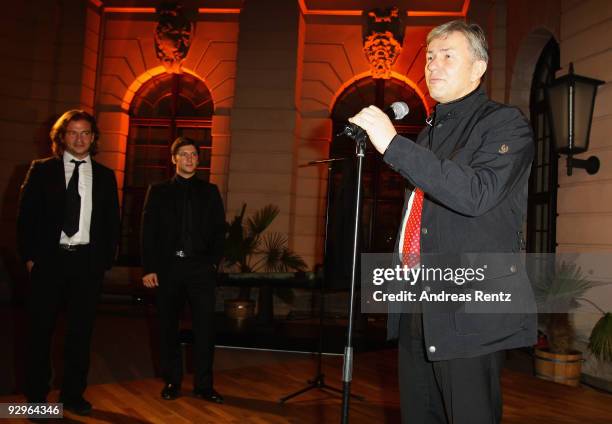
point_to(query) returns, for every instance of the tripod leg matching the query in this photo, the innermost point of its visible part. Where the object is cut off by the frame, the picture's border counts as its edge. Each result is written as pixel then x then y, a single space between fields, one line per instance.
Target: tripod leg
pixel 318 382
pixel 299 392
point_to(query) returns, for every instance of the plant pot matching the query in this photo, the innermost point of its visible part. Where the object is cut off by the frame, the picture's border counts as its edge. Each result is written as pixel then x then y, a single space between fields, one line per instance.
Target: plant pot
pixel 239 310
pixel 563 368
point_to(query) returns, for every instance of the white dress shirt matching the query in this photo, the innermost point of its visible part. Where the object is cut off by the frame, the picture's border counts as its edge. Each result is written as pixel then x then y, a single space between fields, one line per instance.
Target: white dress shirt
pixel 85 185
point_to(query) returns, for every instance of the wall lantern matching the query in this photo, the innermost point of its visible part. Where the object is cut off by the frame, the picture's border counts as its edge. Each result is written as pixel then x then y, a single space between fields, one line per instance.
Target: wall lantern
pixel 571 100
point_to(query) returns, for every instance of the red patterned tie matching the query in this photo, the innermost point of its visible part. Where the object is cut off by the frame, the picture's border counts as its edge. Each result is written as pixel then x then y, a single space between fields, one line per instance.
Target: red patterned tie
pixel 411 247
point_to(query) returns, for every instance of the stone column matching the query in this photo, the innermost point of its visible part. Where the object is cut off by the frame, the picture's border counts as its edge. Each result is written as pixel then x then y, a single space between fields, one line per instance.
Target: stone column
pixel 265 117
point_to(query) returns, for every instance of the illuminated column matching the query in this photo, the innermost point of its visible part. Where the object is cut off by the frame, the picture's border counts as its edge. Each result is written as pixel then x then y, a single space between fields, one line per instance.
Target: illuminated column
pixel 265 116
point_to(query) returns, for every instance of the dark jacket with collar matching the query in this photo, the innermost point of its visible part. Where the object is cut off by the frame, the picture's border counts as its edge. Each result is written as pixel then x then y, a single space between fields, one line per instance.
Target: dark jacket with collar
pixel 160 224
pixel 41 214
pixel 473 163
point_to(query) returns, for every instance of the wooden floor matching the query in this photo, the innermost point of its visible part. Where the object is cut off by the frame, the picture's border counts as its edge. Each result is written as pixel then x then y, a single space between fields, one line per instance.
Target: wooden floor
pixel 252 393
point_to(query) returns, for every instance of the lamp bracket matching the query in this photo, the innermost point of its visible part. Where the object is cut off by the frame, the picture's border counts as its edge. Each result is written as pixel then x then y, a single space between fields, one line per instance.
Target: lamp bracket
pixel 591 165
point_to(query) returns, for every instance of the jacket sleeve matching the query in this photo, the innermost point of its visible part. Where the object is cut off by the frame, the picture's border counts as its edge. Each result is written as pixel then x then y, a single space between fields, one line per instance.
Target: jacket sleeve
pixel 497 165
pixel 149 234
pixel 218 222
pixel 28 213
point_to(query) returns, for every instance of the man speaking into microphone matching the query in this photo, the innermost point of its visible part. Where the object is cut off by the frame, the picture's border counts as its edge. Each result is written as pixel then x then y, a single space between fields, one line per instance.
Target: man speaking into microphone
pixel 470 168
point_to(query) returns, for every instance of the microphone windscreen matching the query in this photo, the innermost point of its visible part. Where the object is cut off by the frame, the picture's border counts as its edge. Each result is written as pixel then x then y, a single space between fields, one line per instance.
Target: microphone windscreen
pixel 400 110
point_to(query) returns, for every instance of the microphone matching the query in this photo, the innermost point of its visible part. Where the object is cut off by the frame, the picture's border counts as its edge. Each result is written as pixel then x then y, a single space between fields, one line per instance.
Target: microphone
pixel 395 111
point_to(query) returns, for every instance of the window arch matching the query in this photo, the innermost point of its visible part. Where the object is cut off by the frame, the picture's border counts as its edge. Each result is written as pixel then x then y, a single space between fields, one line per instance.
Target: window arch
pixel 382 188
pixel 165 107
pixel 542 203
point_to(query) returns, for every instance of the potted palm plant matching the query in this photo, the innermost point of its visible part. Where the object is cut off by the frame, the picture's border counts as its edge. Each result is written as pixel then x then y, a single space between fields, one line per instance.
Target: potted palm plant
pixel 249 248
pixel 557 294
pixel 597 368
pixel 600 340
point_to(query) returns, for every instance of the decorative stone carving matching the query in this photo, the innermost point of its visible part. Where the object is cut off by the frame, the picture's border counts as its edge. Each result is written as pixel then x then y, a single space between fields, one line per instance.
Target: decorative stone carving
pixel 383 35
pixel 172 36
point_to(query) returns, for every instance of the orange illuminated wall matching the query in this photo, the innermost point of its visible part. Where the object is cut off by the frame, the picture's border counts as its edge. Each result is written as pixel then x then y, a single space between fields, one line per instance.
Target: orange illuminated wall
pixel 333 59
pixel 422 8
pixel 128 60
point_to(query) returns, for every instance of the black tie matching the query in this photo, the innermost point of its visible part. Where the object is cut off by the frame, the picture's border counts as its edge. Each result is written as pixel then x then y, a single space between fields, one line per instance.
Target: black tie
pixel 72 212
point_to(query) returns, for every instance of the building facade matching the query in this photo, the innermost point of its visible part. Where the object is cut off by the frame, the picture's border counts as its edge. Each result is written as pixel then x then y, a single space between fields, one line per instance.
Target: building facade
pixel 265 84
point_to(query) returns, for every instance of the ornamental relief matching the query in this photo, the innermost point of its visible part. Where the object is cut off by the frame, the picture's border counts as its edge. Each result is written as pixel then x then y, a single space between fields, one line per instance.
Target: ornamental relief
pixel 173 36
pixel 383 35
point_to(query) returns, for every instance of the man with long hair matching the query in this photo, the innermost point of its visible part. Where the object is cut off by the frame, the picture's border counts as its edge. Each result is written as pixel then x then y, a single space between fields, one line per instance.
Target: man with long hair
pixel 67 232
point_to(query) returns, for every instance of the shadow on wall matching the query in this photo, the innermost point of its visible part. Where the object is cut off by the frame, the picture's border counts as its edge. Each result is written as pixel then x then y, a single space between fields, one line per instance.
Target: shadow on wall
pixel 13 277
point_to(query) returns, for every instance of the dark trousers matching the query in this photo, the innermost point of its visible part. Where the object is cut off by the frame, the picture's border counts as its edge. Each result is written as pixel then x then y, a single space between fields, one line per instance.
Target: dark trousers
pixel 67 279
pixel 457 391
pixel 192 281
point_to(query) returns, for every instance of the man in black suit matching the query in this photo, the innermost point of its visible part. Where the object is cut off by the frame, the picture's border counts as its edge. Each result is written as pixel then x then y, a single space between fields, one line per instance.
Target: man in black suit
pixel 68 227
pixel 183 228
pixel 470 170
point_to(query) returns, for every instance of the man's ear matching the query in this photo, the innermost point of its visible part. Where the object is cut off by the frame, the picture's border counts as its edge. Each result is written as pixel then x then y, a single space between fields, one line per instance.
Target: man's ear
pixel 173 160
pixel 479 67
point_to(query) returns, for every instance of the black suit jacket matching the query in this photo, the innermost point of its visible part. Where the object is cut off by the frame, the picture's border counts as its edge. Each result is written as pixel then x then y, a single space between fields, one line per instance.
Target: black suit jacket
pixel 160 224
pixel 41 213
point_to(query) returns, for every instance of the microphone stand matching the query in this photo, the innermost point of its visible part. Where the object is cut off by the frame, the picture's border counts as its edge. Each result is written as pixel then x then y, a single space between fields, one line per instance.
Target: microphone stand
pixel 360 138
pixel 318 381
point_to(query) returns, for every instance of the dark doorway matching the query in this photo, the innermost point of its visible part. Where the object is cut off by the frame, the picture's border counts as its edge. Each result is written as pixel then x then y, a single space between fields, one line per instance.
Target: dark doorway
pixel 383 188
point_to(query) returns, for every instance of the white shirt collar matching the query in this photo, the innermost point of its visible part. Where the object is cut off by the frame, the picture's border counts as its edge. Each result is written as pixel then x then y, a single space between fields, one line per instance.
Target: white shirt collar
pixel 68 157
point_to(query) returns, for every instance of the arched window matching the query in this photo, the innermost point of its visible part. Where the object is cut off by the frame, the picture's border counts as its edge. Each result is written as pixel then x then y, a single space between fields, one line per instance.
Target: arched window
pixel 382 188
pixel 165 107
pixel 542 204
